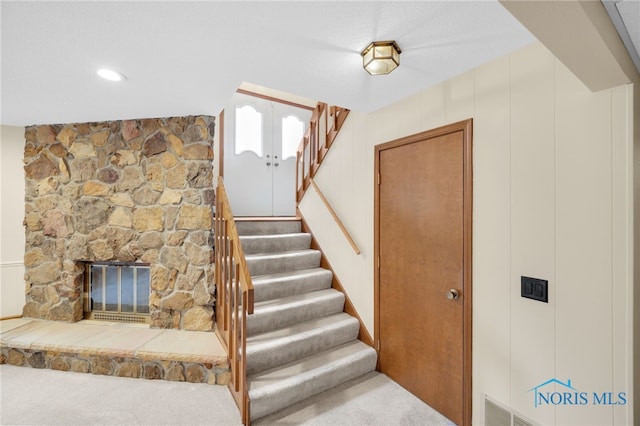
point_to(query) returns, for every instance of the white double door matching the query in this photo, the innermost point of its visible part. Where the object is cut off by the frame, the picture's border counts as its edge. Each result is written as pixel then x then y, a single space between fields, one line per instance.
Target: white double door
pixel 261 139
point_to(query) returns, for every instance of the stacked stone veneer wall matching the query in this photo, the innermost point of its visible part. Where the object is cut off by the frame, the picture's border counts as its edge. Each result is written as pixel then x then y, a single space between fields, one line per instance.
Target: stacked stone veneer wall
pixel 132 190
pixel 195 371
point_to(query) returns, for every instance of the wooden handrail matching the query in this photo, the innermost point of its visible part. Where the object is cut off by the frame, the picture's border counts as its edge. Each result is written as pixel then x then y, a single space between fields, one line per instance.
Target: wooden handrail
pixel 234 298
pixel 335 217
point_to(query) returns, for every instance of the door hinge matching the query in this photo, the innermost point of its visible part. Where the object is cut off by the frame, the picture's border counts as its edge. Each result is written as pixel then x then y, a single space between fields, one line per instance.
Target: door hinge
pixel 378 345
pixel 378 262
pixel 378 178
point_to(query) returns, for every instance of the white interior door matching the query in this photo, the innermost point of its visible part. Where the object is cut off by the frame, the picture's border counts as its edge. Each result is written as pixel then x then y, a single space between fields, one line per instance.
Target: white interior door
pixel 260 155
pixel 247 156
pixel 290 123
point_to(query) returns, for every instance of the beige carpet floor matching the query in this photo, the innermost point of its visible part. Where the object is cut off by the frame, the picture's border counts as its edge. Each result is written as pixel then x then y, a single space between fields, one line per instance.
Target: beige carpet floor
pixel 45 397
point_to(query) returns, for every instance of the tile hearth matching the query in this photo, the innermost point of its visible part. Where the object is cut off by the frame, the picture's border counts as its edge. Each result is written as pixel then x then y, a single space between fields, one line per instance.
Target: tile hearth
pixel 118 349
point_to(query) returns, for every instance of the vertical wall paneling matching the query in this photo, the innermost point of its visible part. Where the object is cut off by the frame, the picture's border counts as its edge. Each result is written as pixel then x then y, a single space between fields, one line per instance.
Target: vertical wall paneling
pixel 411 115
pixel 12 236
pixel 458 96
pixel 391 122
pixel 216 146
pixel 347 197
pixel 352 199
pixel 583 244
pixel 362 188
pixel 491 235
pixel 361 229
pixel 532 225
pixel 433 101
pixel 622 245
pixel 552 199
pixel 12 187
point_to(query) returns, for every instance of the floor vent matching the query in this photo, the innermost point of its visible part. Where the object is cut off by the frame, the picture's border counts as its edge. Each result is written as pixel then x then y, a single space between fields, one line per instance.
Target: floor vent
pixel 143 319
pixel 497 415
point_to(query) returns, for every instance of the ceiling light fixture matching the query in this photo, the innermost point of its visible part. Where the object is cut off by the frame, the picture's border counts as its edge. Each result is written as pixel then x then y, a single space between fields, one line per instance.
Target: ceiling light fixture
pixel 381 57
pixel 111 75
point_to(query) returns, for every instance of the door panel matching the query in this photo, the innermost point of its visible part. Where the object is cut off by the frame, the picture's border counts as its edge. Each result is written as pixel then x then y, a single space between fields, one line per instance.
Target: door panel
pixel 289 126
pixel 248 156
pixel 259 181
pixel 421 244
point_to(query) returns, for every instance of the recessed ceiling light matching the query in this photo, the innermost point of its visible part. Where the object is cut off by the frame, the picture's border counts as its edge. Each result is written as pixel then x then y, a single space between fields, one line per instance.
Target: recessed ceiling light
pixel 111 75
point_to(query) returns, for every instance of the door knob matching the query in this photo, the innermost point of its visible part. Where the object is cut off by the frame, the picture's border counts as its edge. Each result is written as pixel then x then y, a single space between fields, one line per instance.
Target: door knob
pixel 452 294
pixel 268 163
pixel 276 164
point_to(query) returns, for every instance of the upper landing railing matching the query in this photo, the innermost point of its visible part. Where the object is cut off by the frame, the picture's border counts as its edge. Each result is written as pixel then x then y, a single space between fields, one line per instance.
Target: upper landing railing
pixel 326 122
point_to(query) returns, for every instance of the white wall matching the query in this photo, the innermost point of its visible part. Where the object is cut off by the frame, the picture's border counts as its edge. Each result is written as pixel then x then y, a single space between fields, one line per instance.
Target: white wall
pixel 552 199
pixel 11 217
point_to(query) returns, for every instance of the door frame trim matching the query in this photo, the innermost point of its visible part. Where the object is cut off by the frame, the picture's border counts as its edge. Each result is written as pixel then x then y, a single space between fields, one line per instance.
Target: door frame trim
pixel 274 99
pixel 466 126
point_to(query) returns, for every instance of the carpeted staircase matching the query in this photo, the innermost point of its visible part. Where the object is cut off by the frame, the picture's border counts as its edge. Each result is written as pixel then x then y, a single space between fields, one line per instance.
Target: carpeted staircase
pixel 300 342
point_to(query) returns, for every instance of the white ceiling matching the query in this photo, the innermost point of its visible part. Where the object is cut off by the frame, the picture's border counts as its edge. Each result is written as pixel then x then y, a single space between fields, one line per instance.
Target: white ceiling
pixel 187 58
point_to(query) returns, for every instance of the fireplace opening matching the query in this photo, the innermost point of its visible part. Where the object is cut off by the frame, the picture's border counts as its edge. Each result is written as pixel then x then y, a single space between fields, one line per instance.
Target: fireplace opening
pixel 117 291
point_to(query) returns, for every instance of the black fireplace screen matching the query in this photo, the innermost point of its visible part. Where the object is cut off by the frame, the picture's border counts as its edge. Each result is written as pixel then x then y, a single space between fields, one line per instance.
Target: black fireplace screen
pixel 119 287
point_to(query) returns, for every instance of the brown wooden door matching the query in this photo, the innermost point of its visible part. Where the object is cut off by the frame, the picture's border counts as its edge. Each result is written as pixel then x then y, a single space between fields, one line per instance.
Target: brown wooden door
pixel 423 240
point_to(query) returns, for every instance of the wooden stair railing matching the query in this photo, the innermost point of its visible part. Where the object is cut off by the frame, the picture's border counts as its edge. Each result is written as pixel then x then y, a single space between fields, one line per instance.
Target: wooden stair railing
pixel 234 288
pixel 326 122
pixel 234 298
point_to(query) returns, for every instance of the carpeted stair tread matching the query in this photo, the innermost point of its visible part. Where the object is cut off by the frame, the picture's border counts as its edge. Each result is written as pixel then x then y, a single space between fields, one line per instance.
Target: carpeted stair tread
pixel 284 345
pixel 299 341
pixel 271 263
pixel 278 313
pixel 280 387
pixel 283 284
pixel 253 244
pixel 267 227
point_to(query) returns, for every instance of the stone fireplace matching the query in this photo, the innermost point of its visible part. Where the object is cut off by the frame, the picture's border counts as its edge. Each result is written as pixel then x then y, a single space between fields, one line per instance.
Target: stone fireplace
pixel 135 191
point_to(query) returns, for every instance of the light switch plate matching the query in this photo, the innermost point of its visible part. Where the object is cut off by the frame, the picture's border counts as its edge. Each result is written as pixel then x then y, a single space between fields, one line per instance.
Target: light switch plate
pixel 534 288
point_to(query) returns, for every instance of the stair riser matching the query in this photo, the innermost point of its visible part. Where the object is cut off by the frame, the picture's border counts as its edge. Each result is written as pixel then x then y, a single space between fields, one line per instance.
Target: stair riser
pixel 275 243
pixel 268 227
pixel 289 262
pixel 287 286
pixel 338 373
pixel 299 346
pixel 262 321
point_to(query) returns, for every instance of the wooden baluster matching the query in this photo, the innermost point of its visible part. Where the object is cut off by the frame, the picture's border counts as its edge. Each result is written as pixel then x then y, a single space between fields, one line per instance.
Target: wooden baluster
pixel 322 132
pixel 235 298
pixel 307 163
pixel 237 326
pixel 227 280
